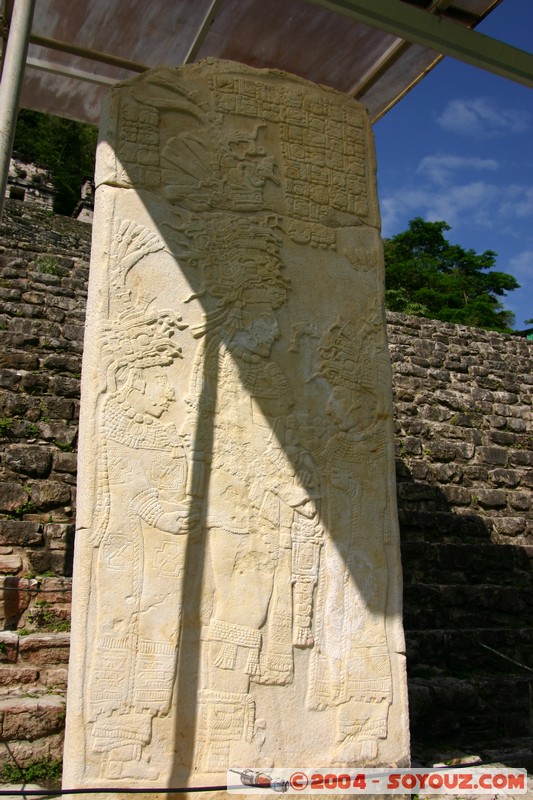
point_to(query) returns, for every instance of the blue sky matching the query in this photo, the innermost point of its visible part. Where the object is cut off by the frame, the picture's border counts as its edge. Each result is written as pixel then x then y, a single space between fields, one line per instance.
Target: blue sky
pixel 459 147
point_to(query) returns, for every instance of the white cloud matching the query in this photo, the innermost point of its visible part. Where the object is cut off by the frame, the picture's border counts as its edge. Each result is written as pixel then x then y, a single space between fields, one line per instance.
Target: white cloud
pixel 517 201
pixel 521 265
pixel 480 116
pixel 397 208
pixel 441 167
pixel 475 199
pixel 477 203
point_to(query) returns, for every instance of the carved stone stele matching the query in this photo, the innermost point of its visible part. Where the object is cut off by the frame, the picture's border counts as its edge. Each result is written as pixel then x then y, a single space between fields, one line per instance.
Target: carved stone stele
pixel 238 592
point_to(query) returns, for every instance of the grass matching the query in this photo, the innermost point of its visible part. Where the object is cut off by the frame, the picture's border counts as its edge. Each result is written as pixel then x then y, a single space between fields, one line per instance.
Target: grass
pixel 42 771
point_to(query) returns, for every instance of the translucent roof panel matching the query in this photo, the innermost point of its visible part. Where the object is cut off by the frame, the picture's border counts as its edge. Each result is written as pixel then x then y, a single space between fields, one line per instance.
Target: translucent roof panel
pixel 79 48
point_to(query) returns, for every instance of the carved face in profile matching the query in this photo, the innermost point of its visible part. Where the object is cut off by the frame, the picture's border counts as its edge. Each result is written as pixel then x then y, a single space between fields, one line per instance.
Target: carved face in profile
pixel 351 409
pixel 152 393
pixel 260 333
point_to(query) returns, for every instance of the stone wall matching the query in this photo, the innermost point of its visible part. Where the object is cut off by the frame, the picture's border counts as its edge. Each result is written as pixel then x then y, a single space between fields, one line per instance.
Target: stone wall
pixel 464 458
pixel 463 422
pixel 43 279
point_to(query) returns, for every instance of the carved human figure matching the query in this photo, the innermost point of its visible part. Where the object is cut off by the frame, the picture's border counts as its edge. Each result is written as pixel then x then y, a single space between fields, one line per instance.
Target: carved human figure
pixel 259 498
pixel 142 553
pixel 350 666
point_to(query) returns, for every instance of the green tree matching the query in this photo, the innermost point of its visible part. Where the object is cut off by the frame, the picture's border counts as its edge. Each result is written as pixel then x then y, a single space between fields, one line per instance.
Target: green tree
pixel 65 147
pixel 427 276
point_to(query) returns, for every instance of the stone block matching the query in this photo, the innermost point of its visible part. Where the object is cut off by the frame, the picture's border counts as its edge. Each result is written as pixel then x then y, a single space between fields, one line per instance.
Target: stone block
pixel 30 460
pixel 31 717
pixel 443 451
pixel 9 647
pixel 510 526
pixel 465 450
pixel 54 678
pixel 73 332
pixel 39 561
pixel 64 386
pixel 448 473
pixel 503 438
pixel 491 498
pixel 12 677
pixel 57 408
pixel 520 501
pixel 49 494
pixel 493 455
pixel 61 362
pixel 61 561
pixel 504 477
pixel 65 462
pixel 16 594
pixel 26 752
pixel 34 383
pixel 457 495
pixel 12 496
pixel 9 378
pixel 59 432
pixel 55 590
pixel 20 532
pixel 18 360
pixel 10 564
pixel 521 458
pixel 59 536
pixel 517 425
pixel 44 649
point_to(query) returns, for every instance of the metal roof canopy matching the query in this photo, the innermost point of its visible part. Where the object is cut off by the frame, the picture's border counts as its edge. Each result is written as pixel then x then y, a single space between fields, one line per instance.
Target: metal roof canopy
pixel 375 50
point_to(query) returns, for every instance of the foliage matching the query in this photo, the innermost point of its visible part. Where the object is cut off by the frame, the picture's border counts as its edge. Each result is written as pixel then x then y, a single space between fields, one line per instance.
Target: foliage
pixel 48 265
pixel 44 618
pixel 5 427
pixel 40 771
pixel 65 147
pixel 427 276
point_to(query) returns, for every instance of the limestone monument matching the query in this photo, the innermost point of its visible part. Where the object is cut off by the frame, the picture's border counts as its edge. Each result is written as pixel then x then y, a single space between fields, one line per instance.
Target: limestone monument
pixel 237 577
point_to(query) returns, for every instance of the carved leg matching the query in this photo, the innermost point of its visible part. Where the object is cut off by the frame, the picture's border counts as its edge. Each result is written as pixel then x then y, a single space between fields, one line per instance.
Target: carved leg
pixel 360 726
pixel 226 719
pixel 121 739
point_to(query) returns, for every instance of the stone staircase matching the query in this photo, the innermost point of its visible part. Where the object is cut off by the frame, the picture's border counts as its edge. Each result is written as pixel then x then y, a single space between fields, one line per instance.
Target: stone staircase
pixel 33 669
pixel 468 617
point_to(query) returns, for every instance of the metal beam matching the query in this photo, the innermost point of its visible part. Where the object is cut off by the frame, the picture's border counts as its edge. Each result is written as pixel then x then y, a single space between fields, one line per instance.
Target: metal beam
pixel 86 52
pixel 438 33
pixel 202 32
pixel 11 84
pixel 69 72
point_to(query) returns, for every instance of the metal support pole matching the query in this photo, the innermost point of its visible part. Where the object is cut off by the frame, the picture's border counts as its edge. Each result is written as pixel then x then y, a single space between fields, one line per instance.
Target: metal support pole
pixel 11 84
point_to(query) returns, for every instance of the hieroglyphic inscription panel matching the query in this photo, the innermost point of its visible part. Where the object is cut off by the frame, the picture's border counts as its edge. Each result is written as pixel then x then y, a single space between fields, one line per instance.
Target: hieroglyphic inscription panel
pixel 238 592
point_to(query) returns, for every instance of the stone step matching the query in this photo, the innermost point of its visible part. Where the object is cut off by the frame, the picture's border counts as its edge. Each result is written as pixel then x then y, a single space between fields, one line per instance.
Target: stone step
pixel 455 710
pixel 428 606
pixel 466 563
pixel 41 649
pixel 460 653
pixel 31 728
pixel 23 717
pixel 437 525
pixel 514 752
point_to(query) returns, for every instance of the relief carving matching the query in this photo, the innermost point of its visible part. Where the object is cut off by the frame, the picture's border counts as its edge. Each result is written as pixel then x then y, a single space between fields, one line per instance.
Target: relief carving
pixel 350 666
pixel 242 413
pixel 142 504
